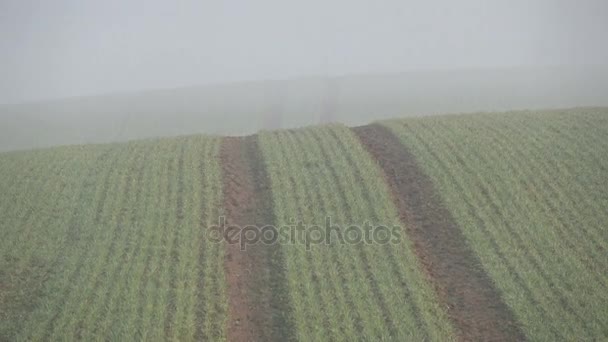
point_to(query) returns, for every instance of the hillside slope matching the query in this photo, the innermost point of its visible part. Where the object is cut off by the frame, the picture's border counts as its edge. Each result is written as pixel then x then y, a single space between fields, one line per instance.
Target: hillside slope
pixel 529 191
pixel 109 241
pixel 480 226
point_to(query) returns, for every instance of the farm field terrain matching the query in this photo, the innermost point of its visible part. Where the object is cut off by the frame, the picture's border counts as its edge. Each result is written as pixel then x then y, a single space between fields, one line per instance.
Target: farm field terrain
pixel 108 242
pixel 529 192
pixel 483 227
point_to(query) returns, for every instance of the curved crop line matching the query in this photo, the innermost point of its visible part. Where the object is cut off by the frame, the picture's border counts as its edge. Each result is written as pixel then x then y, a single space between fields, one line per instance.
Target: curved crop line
pixel 551 167
pixel 533 250
pixel 307 272
pixel 584 202
pixel 112 315
pixel 535 257
pixel 323 304
pixel 161 304
pixel 357 278
pixel 33 221
pixel 102 202
pixel 23 224
pixel 354 213
pixel 83 253
pixel 270 151
pixel 205 201
pixel 67 295
pixel 93 316
pixel 599 157
pixel 423 302
pixel 396 261
pixel 570 261
pixel 426 307
pixel 147 300
pixel 494 249
pixel 217 321
pixel 275 284
pixel 173 258
pixel 553 204
pixel 188 250
pixel 332 262
pixel 345 214
pixel 274 151
pixel 72 325
pixel 117 242
pixel 567 144
pixel 26 171
pixel 140 256
pixel 326 257
pixel 53 227
pixel 530 253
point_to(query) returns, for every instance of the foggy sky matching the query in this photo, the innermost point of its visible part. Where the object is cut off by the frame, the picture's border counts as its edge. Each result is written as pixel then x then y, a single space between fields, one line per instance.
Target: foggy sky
pixel 62 48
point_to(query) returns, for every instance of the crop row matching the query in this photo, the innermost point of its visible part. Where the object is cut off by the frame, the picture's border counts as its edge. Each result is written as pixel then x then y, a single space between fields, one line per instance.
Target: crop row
pixel 528 190
pixel 108 242
pixel 345 291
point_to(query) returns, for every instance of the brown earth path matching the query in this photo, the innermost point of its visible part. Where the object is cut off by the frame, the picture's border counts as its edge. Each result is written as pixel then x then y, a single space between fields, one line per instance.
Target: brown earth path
pixel 474 305
pixel 257 296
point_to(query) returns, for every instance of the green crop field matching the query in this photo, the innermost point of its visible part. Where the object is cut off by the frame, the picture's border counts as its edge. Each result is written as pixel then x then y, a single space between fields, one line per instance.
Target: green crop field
pixel 530 192
pixel 108 242
pixel 112 242
pixel 345 292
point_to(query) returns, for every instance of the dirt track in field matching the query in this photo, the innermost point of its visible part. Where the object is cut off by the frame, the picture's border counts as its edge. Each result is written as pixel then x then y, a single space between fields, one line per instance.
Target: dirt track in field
pixel 473 303
pixel 256 296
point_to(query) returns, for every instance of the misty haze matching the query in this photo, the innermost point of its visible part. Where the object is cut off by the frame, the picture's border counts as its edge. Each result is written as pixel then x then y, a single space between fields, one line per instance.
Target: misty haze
pixel 304 171
pixel 111 71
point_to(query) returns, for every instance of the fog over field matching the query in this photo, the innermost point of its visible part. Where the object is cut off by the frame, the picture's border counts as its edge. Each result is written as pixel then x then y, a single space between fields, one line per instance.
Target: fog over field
pixel 318 170
pixel 82 72
pixel 245 108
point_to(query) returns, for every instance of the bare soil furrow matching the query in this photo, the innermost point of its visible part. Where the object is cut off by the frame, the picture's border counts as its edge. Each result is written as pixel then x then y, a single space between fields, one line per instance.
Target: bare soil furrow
pixel 254 275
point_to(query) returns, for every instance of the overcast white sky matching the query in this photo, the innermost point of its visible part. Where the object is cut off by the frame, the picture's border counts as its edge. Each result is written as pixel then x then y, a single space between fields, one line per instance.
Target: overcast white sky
pixel 61 48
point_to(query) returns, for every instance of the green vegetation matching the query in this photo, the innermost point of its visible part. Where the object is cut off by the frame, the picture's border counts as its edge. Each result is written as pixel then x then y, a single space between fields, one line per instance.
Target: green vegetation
pixel 107 242
pixel 529 190
pixel 346 292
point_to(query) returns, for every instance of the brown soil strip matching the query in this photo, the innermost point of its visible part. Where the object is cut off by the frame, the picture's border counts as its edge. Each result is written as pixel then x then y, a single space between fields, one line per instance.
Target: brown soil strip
pixel 257 297
pixel 473 303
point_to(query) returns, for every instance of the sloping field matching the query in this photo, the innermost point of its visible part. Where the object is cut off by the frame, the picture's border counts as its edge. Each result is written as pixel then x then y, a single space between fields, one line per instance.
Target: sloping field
pixel 355 289
pixel 108 242
pixel 469 227
pixel 473 303
pixel 530 193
